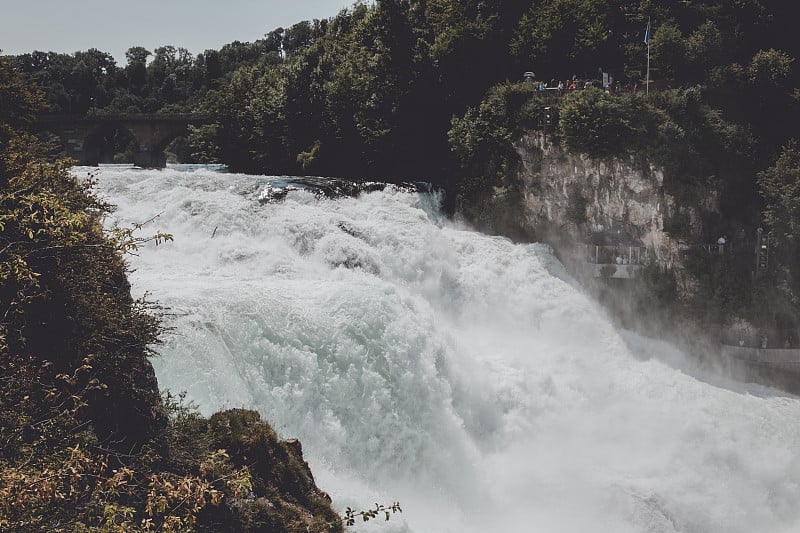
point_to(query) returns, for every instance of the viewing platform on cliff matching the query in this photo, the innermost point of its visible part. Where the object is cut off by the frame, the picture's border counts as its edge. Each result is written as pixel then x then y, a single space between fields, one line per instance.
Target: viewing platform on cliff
pixel 613 255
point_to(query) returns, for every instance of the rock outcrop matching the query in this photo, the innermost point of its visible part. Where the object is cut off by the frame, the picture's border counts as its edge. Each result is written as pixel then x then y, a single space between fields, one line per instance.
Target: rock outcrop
pixel 572 195
pixel 285 497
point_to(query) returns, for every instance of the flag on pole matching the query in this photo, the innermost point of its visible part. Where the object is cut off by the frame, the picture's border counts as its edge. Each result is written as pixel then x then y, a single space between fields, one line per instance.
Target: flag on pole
pixel 647 33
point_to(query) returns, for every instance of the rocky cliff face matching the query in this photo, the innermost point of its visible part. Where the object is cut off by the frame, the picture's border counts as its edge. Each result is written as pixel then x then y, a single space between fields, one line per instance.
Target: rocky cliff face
pixel 573 195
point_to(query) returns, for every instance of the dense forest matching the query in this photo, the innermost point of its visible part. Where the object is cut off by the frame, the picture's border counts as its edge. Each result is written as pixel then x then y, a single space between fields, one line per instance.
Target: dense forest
pixel 373 90
pixel 433 90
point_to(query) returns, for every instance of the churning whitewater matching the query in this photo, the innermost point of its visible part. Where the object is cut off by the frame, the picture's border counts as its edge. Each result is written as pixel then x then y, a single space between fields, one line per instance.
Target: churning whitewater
pixel 462 375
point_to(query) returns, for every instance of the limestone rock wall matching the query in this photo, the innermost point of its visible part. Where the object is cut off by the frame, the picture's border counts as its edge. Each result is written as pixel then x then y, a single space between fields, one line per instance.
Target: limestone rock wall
pixel 577 195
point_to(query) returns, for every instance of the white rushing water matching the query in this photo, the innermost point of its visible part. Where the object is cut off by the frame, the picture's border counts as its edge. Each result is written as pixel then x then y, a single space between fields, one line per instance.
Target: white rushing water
pixel 462 375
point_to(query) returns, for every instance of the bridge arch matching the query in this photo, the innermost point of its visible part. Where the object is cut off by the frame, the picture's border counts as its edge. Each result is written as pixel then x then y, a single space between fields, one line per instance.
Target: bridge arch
pixel 161 142
pixel 106 141
pixel 90 139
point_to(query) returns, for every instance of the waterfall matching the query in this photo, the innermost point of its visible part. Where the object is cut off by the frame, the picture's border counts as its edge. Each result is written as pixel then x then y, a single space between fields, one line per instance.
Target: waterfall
pixel 463 375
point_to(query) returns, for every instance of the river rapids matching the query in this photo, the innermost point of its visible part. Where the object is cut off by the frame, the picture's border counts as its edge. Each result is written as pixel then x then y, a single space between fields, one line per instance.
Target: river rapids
pixel 465 376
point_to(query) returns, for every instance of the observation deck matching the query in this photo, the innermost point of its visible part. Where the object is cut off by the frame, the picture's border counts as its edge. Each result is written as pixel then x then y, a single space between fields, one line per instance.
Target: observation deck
pixel 613 255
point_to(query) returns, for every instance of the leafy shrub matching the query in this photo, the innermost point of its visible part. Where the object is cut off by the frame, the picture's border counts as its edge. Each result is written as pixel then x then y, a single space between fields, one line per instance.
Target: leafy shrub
pixel 599 124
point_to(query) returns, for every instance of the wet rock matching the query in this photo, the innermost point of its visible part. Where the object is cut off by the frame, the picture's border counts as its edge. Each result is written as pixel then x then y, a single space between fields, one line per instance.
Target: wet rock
pixel 286 496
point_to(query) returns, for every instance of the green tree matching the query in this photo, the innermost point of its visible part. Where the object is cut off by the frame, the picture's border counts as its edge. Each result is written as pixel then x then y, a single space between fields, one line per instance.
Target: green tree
pixel 136 69
pixel 559 38
pixel 668 50
pixel 705 48
pixel 771 67
pixel 19 102
pixel 780 189
pixel 298 37
pixel 596 123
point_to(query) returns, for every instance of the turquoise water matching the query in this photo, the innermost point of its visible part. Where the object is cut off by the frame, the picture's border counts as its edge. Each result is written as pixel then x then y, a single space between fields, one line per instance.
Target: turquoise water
pixel 461 374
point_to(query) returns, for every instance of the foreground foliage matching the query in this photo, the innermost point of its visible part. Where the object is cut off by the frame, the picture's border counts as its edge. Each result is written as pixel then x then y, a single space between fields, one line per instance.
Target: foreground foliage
pixel 86 441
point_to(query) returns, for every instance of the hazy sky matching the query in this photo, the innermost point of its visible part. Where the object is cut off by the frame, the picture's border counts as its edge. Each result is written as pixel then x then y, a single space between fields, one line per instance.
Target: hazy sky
pixel 115 25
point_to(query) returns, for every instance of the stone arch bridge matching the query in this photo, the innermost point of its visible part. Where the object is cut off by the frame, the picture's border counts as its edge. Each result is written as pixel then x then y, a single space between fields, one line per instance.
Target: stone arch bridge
pixel 82 137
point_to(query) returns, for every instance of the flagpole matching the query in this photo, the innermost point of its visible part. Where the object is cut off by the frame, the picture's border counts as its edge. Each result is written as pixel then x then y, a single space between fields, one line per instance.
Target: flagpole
pixel 647 79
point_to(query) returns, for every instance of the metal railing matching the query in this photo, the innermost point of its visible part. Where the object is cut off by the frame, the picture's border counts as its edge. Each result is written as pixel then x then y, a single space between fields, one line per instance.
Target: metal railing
pixel 762 355
pixel 615 254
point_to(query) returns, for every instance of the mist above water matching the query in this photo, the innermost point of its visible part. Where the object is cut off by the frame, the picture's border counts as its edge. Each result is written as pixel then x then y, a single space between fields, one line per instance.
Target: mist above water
pixel 463 375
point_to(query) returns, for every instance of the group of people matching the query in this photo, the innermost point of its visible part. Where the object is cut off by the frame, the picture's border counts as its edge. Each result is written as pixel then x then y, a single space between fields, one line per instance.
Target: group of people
pixel 560 87
pixel 613 255
pixel 763 342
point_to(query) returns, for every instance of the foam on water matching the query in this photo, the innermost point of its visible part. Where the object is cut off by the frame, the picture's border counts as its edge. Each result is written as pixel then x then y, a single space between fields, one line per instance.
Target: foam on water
pixel 463 375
